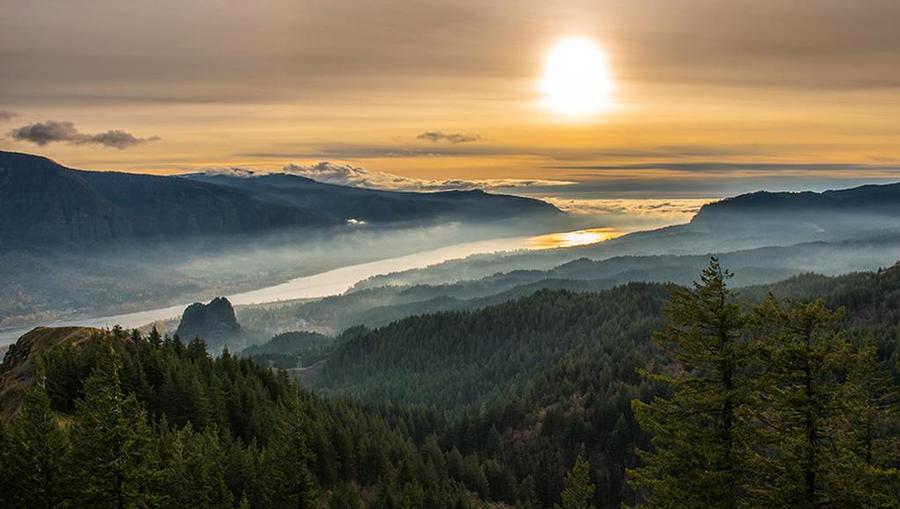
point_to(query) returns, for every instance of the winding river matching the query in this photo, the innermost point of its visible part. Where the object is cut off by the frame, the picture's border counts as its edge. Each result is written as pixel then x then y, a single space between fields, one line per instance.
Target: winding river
pixel 338 280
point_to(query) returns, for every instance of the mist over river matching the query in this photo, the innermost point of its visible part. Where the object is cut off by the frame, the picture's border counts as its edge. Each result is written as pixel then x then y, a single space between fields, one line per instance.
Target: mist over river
pixel 335 281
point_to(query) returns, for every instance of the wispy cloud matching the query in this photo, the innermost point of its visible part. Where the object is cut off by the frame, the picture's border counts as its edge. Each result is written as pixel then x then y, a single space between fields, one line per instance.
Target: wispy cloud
pixel 438 136
pixel 731 167
pixel 348 175
pixel 52 131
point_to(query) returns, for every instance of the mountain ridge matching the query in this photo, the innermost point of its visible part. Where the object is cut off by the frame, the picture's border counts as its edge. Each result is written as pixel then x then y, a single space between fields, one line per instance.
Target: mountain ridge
pixel 45 205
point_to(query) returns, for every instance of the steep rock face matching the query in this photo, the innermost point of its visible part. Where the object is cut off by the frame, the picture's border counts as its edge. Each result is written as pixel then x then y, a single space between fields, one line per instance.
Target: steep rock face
pixel 214 322
pixel 17 370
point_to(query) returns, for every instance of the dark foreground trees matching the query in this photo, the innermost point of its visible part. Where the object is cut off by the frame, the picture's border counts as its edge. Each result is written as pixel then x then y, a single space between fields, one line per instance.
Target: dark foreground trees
pixel 135 423
pixel 777 405
pixel 767 408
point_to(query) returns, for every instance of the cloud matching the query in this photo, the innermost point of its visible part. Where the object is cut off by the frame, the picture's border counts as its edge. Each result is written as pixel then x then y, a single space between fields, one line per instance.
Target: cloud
pixel 52 131
pixel 347 175
pixel 438 136
pixel 673 208
pixel 7 115
pixel 630 214
pixel 233 171
pixel 724 167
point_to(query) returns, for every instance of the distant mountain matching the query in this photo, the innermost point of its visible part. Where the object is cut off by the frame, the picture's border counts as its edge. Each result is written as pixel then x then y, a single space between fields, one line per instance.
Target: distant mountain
pixel 867 214
pixel 43 204
pixel 47 206
pixel 839 212
pixel 377 206
pixel 214 322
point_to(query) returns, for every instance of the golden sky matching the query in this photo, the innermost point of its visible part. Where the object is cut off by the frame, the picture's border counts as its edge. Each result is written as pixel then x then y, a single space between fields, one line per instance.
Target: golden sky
pixel 710 97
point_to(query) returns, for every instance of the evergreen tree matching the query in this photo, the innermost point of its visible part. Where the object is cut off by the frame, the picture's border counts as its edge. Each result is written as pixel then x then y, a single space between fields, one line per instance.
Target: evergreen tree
pixel 345 497
pixel 111 447
pixel 579 490
pixel 284 470
pixel 698 432
pixel 36 453
pixel 803 403
pixel 875 411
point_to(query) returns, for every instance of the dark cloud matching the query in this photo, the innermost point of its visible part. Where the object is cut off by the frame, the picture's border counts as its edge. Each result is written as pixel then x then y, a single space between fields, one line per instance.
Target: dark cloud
pixel 6 115
pixel 438 136
pixel 53 131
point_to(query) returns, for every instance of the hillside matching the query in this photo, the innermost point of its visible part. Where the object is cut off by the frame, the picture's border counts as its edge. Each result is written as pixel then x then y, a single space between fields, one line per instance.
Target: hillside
pixel 374 305
pixel 378 206
pixel 44 205
pixel 17 371
pixel 535 380
pixel 866 214
pixel 528 386
pixel 155 422
pixel 456 359
pixel 836 212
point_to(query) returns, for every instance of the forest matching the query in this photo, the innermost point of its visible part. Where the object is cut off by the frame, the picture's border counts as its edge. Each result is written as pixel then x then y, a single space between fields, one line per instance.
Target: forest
pixel 645 395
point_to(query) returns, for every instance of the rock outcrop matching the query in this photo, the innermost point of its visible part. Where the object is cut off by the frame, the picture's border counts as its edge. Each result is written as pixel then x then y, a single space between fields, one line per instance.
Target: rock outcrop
pixel 214 322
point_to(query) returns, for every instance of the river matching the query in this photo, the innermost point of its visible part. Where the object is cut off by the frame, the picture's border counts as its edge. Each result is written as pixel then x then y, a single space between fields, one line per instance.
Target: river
pixel 334 281
pixel 338 280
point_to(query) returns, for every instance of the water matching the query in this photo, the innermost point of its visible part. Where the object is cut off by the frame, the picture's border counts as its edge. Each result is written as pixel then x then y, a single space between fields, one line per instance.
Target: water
pixel 339 280
pixel 307 287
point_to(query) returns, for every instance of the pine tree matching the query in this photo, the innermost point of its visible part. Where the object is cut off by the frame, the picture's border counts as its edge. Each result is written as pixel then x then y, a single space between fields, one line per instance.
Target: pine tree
pixel 36 452
pixel 873 428
pixel 800 401
pixel 111 446
pixel 579 490
pixel 698 432
pixel 154 338
pixel 284 470
pixel 875 411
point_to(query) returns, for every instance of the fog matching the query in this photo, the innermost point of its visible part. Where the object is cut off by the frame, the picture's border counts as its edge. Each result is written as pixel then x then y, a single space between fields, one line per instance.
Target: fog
pixel 132 286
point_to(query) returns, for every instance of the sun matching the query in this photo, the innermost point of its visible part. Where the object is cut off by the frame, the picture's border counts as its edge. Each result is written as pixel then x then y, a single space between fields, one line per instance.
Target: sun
pixel 576 79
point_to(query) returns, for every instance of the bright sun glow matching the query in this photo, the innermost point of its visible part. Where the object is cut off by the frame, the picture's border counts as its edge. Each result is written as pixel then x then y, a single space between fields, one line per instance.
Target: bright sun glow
pixel 576 79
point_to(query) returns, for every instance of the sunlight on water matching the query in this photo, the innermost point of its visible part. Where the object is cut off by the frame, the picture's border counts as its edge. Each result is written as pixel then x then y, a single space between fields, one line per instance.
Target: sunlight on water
pixel 339 280
pixel 575 238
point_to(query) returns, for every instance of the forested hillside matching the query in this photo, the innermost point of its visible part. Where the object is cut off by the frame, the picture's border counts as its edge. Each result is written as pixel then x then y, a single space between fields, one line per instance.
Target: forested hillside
pixel 129 421
pixel 643 395
pixel 557 404
pixel 455 359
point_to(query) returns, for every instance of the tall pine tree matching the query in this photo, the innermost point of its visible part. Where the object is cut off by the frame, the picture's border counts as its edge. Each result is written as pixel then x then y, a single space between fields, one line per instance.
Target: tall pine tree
pixel 699 430
pixel 111 441
pixel 284 465
pixel 36 453
pixel 579 490
pixel 804 404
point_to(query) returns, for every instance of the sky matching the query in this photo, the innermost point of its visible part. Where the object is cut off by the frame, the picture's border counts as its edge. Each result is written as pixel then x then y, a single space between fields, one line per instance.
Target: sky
pixel 708 98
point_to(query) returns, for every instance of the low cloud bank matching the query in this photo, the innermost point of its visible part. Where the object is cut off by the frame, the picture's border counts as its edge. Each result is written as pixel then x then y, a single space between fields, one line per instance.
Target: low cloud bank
pixel 353 176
